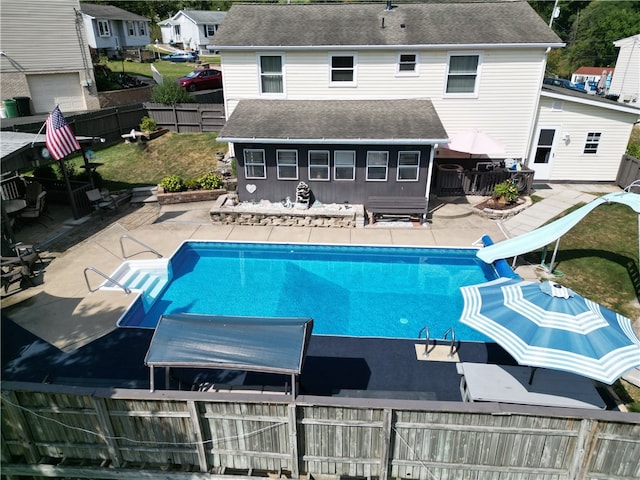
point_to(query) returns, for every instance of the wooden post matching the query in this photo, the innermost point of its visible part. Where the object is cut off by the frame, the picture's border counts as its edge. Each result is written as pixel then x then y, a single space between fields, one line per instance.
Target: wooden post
pixel 109 437
pixel 197 428
pixel 583 451
pixel 293 439
pixel 387 418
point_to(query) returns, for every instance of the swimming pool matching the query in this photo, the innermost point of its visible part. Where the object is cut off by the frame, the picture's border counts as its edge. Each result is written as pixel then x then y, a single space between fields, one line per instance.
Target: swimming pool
pixel 364 291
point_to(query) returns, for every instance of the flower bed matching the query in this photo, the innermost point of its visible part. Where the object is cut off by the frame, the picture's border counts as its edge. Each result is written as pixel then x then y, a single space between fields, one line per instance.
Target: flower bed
pixel 186 196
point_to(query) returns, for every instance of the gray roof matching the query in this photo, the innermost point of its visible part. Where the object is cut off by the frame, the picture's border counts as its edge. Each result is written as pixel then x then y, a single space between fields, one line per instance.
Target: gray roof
pixel 355 24
pixel 353 121
pixel 109 12
pixel 208 17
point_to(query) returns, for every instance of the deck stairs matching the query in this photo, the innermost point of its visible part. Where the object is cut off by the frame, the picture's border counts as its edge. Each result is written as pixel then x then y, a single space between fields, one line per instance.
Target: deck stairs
pixel 148 277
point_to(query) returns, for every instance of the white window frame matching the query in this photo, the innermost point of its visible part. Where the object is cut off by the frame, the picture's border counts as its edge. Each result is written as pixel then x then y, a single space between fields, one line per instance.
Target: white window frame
pixel 142 28
pixel 104 29
pixel 210 29
pixel 131 28
pixel 353 69
pixel 322 168
pixel 476 82
pixel 386 165
pixel 262 74
pixel 592 143
pixel 280 164
pixel 249 152
pixel 407 73
pixel 337 165
pixel 415 167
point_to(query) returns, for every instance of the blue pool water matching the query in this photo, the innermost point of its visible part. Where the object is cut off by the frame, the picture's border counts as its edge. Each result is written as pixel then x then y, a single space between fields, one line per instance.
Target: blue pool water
pixel 348 290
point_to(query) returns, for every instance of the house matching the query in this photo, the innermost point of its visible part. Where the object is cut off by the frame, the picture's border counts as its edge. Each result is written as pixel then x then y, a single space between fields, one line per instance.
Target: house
pixel 591 77
pixel 110 30
pixel 351 84
pixel 626 79
pixel 47 69
pixel 193 29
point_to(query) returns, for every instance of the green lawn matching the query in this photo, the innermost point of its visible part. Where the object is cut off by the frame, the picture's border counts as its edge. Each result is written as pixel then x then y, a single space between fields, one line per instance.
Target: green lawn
pixel 168 69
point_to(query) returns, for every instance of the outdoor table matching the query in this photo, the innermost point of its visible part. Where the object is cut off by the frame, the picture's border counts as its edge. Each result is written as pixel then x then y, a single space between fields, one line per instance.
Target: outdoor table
pixel 510 384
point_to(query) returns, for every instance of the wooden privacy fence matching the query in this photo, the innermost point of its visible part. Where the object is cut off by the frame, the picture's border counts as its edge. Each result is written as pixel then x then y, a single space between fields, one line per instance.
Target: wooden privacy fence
pixel 50 430
pixel 629 171
pixel 188 117
pixel 457 181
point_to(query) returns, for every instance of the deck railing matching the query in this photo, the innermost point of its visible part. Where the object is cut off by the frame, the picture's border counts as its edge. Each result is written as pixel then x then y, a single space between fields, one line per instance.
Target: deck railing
pixel 453 182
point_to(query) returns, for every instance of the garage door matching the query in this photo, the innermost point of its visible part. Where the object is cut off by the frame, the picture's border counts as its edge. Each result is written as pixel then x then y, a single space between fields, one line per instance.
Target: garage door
pixel 61 89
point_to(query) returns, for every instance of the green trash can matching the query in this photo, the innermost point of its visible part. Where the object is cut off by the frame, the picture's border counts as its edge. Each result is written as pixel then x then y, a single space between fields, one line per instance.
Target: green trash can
pixel 24 106
pixel 11 108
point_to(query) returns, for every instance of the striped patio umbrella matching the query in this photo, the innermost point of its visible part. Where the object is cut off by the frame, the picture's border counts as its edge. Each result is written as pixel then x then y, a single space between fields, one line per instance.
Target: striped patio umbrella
pixel 548 325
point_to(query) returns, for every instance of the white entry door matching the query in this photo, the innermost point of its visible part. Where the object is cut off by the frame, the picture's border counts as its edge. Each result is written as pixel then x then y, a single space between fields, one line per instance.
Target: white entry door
pixel 543 152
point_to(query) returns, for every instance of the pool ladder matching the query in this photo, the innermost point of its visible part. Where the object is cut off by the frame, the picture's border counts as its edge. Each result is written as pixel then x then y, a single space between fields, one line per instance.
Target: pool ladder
pixel 452 349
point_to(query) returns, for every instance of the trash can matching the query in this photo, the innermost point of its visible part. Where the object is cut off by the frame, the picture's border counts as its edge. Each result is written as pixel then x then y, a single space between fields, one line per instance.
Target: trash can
pixel 11 108
pixel 24 106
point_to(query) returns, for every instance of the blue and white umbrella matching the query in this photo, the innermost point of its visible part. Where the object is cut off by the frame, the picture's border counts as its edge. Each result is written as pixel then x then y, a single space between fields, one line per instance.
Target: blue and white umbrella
pixel 548 325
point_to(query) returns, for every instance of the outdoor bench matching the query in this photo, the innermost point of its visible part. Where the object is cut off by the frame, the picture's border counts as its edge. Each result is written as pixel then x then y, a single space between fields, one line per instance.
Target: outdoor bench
pixel 378 206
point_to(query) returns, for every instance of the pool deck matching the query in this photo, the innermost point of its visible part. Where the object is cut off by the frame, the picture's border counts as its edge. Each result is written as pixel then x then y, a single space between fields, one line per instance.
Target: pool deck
pixel 57 332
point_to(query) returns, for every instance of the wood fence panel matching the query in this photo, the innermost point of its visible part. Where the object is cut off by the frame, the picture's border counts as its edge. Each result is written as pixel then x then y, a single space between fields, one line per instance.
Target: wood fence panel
pixel 188 117
pixel 628 172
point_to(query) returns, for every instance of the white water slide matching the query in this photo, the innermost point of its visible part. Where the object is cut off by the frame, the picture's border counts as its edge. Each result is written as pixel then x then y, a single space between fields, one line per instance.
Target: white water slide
pixel 552 232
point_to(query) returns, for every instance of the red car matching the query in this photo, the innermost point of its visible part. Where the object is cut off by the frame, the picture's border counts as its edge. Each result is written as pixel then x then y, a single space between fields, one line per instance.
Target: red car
pixel 201 79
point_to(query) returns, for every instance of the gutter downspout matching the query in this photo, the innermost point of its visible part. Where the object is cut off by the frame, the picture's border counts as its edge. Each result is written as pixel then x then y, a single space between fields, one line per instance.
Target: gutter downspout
pixel 427 192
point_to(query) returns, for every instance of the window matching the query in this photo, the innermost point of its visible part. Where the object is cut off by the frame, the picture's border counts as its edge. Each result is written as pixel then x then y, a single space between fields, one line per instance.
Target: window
pixel 142 28
pixel 593 140
pixel 377 165
pixel 463 72
pixel 103 28
pixel 343 69
pixel 131 28
pixel 407 63
pixel 176 30
pixel 210 30
pixel 271 77
pixel 287 162
pixel 254 165
pixel 318 165
pixel 344 165
pixel 408 166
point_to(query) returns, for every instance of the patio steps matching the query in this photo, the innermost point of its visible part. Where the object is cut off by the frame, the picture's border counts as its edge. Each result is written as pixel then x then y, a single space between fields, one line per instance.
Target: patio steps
pixel 144 194
pixel 147 276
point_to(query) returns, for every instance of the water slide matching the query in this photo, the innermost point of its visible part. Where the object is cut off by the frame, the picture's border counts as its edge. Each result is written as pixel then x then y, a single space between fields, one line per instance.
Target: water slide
pixel 549 233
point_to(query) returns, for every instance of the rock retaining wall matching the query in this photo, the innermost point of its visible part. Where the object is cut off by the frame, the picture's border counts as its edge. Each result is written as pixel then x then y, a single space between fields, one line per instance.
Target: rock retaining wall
pixel 226 212
pixel 188 196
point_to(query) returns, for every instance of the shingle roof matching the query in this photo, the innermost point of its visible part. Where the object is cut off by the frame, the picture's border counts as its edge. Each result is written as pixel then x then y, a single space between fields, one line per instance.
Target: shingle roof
pixel 353 24
pixel 202 17
pixel 395 121
pixel 109 12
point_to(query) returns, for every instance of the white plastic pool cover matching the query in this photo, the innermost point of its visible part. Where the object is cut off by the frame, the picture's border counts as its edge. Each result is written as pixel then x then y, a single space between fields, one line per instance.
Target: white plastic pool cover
pixel 256 344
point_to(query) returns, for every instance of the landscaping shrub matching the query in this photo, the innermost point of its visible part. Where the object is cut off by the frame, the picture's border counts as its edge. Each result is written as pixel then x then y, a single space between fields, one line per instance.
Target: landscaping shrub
pixel 210 181
pixel 192 184
pixel 172 183
pixel 148 125
pixel 170 93
pixel 507 190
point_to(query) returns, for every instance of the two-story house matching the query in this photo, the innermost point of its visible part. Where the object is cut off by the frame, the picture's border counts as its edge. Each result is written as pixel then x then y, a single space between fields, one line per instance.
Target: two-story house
pixel 194 29
pixel 45 56
pixel 111 29
pixel 355 99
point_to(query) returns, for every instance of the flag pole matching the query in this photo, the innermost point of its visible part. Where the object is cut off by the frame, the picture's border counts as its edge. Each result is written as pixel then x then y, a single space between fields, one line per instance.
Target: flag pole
pixel 37 134
pixel 65 176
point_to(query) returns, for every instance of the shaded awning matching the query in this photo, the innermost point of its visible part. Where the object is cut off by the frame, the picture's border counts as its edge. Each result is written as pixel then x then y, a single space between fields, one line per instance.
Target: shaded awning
pixel 256 344
pixel 398 122
pixel 553 231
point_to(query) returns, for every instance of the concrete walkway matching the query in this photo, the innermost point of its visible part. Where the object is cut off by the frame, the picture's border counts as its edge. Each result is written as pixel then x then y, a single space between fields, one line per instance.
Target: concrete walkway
pixel 61 311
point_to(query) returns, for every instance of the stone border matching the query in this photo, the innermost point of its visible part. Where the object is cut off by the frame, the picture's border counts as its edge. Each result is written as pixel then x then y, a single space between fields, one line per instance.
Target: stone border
pixel 524 202
pixel 225 211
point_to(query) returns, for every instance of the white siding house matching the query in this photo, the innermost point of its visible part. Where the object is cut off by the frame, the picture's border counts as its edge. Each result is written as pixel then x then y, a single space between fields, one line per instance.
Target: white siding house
pixel 580 137
pixel 111 29
pixel 53 68
pixel 626 78
pixel 194 29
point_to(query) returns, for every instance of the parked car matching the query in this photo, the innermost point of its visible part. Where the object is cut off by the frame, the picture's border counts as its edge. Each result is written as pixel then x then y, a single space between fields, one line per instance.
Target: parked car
pixel 563 83
pixel 181 57
pixel 201 79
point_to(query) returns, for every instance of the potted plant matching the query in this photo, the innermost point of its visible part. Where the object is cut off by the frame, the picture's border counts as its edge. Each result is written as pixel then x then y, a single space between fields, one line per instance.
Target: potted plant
pixel 506 192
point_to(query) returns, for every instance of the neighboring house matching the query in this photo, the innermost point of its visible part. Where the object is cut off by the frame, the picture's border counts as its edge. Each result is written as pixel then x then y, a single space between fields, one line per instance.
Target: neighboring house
pixel 194 29
pixel 111 29
pixel 336 94
pixel 626 79
pixel 591 76
pixel 52 68
pixel 580 137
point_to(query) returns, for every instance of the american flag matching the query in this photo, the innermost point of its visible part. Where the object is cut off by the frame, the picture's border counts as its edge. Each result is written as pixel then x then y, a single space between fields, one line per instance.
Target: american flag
pixel 60 140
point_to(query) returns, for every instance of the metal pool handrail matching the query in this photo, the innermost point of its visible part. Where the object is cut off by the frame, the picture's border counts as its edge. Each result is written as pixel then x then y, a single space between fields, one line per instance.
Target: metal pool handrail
pixel 107 277
pixel 139 243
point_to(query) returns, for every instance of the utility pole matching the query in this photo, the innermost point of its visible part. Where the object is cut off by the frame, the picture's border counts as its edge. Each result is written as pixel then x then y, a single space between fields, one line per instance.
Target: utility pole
pixel 555 13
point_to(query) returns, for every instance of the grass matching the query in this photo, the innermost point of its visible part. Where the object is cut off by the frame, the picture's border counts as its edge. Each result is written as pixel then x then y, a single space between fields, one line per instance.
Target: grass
pixel 168 69
pixel 188 155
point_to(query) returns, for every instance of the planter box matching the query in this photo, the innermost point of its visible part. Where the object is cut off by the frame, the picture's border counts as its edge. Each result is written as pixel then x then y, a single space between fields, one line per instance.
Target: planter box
pixel 170 198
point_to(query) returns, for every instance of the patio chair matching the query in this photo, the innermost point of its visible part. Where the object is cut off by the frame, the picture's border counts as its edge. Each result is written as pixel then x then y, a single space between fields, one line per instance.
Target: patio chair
pixel 12 271
pixel 101 202
pixel 27 254
pixel 35 211
pixel 33 190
